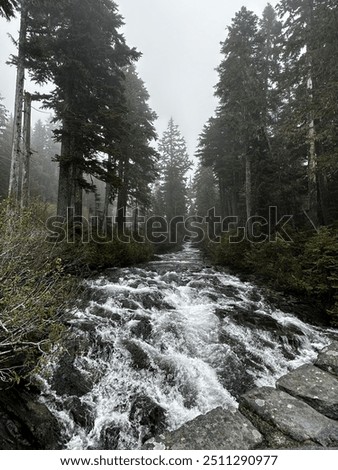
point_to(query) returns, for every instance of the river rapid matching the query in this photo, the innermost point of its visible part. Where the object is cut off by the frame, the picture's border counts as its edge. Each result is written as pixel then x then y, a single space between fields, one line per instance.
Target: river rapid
pixel 156 345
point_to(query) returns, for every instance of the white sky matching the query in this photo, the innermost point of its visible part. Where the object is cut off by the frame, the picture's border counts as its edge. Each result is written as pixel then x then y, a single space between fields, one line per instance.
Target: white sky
pixel 180 43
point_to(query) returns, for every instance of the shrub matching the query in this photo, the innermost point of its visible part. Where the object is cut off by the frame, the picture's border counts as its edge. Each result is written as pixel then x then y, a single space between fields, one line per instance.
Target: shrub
pixel 307 266
pixel 34 291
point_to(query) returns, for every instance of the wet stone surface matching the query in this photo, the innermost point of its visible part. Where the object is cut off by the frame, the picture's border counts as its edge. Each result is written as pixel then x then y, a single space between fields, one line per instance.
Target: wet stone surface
pixel 315 386
pixel 218 429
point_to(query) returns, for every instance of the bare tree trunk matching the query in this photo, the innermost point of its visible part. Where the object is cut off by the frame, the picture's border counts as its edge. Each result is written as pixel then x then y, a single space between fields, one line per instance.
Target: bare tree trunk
pixel 107 196
pixel 312 158
pixel 77 191
pixel 27 151
pixel 65 176
pixel 248 192
pixel 122 198
pixel 312 167
pixel 14 181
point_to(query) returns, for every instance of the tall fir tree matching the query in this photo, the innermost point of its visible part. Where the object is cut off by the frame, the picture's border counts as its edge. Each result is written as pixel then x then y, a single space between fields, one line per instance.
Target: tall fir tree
pixel 77 45
pixel 174 165
pixel 137 161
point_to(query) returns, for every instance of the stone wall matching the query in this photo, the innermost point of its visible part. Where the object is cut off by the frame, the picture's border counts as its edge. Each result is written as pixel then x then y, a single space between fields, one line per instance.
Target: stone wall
pixel 301 412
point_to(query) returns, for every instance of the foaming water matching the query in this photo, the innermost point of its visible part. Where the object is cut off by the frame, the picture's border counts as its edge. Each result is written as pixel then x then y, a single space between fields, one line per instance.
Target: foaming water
pixel 160 344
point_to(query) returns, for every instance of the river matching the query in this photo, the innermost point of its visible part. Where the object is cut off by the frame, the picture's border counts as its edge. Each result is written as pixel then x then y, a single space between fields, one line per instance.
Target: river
pixel 156 345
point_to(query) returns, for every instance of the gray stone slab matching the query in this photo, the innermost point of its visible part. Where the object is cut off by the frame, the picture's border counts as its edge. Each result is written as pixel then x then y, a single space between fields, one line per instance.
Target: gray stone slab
pixel 289 416
pixel 328 359
pixel 315 386
pixel 216 430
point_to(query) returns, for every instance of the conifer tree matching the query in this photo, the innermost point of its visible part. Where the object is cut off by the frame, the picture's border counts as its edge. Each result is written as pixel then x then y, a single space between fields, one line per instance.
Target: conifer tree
pixel 76 45
pixel 174 164
pixel 137 158
pixel 8 7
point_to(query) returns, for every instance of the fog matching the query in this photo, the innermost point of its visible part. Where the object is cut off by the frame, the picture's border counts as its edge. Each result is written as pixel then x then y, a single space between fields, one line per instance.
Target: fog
pixel 180 45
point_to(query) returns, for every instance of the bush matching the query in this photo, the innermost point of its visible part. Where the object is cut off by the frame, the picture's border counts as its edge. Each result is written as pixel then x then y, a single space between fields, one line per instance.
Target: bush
pixel 307 266
pixel 34 292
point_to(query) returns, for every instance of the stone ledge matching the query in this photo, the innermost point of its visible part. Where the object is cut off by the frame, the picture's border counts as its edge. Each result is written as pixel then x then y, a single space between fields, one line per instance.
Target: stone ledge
pixel 315 386
pixel 218 429
pixel 328 359
pixel 294 418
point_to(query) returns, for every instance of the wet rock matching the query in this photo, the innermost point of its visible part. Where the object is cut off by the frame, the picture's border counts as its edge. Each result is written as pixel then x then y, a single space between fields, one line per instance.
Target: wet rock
pixel 140 358
pixel 149 414
pixel 142 329
pixel 25 423
pixel 230 291
pixel 171 278
pixel 316 387
pixel 254 295
pixel 328 359
pixel 67 379
pixel 80 412
pixel 198 284
pixel 110 437
pixel 286 421
pixel 221 313
pixel 218 429
pixel 129 304
pixel 234 376
pixel 99 296
pixel 151 300
pixel 102 312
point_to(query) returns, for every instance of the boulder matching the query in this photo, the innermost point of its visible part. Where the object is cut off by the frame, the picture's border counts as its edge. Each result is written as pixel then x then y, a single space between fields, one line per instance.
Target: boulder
pixel 80 412
pixel 315 386
pixel 142 329
pixel 25 423
pixel 110 437
pixel 218 429
pixel 328 359
pixel 139 357
pixel 68 380
pixel 286 421
pixel 149 414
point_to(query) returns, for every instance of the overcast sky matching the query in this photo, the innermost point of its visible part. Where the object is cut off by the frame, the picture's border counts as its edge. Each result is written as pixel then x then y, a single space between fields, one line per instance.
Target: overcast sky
pixel 180 43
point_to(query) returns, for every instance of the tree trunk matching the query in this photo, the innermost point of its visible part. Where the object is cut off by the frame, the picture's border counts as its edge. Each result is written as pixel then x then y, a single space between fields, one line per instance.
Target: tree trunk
pixel 77 191
pixel 312 158
pixel 14 181
pixel 248 191
pixel 122 198
pixel 27 151
pixel 107 196
pixel 65 186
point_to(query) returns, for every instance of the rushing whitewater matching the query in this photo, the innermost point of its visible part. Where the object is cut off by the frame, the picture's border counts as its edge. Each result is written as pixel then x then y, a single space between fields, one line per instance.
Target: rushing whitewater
pixel 159 344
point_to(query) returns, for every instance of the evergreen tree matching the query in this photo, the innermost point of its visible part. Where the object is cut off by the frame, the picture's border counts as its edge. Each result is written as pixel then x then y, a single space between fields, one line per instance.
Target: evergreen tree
pixel 8 7
pixel 76 45
pixel 310 77
pixel 137 158
pixel 241 95
pixel 205 191
pixel 174 165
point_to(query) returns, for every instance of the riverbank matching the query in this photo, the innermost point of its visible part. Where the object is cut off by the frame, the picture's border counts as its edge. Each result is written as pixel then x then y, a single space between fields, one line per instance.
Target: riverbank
pixel 306 266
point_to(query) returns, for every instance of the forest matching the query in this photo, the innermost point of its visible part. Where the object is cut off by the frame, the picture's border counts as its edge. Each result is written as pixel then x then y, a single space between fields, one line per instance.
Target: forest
pixel 267 156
